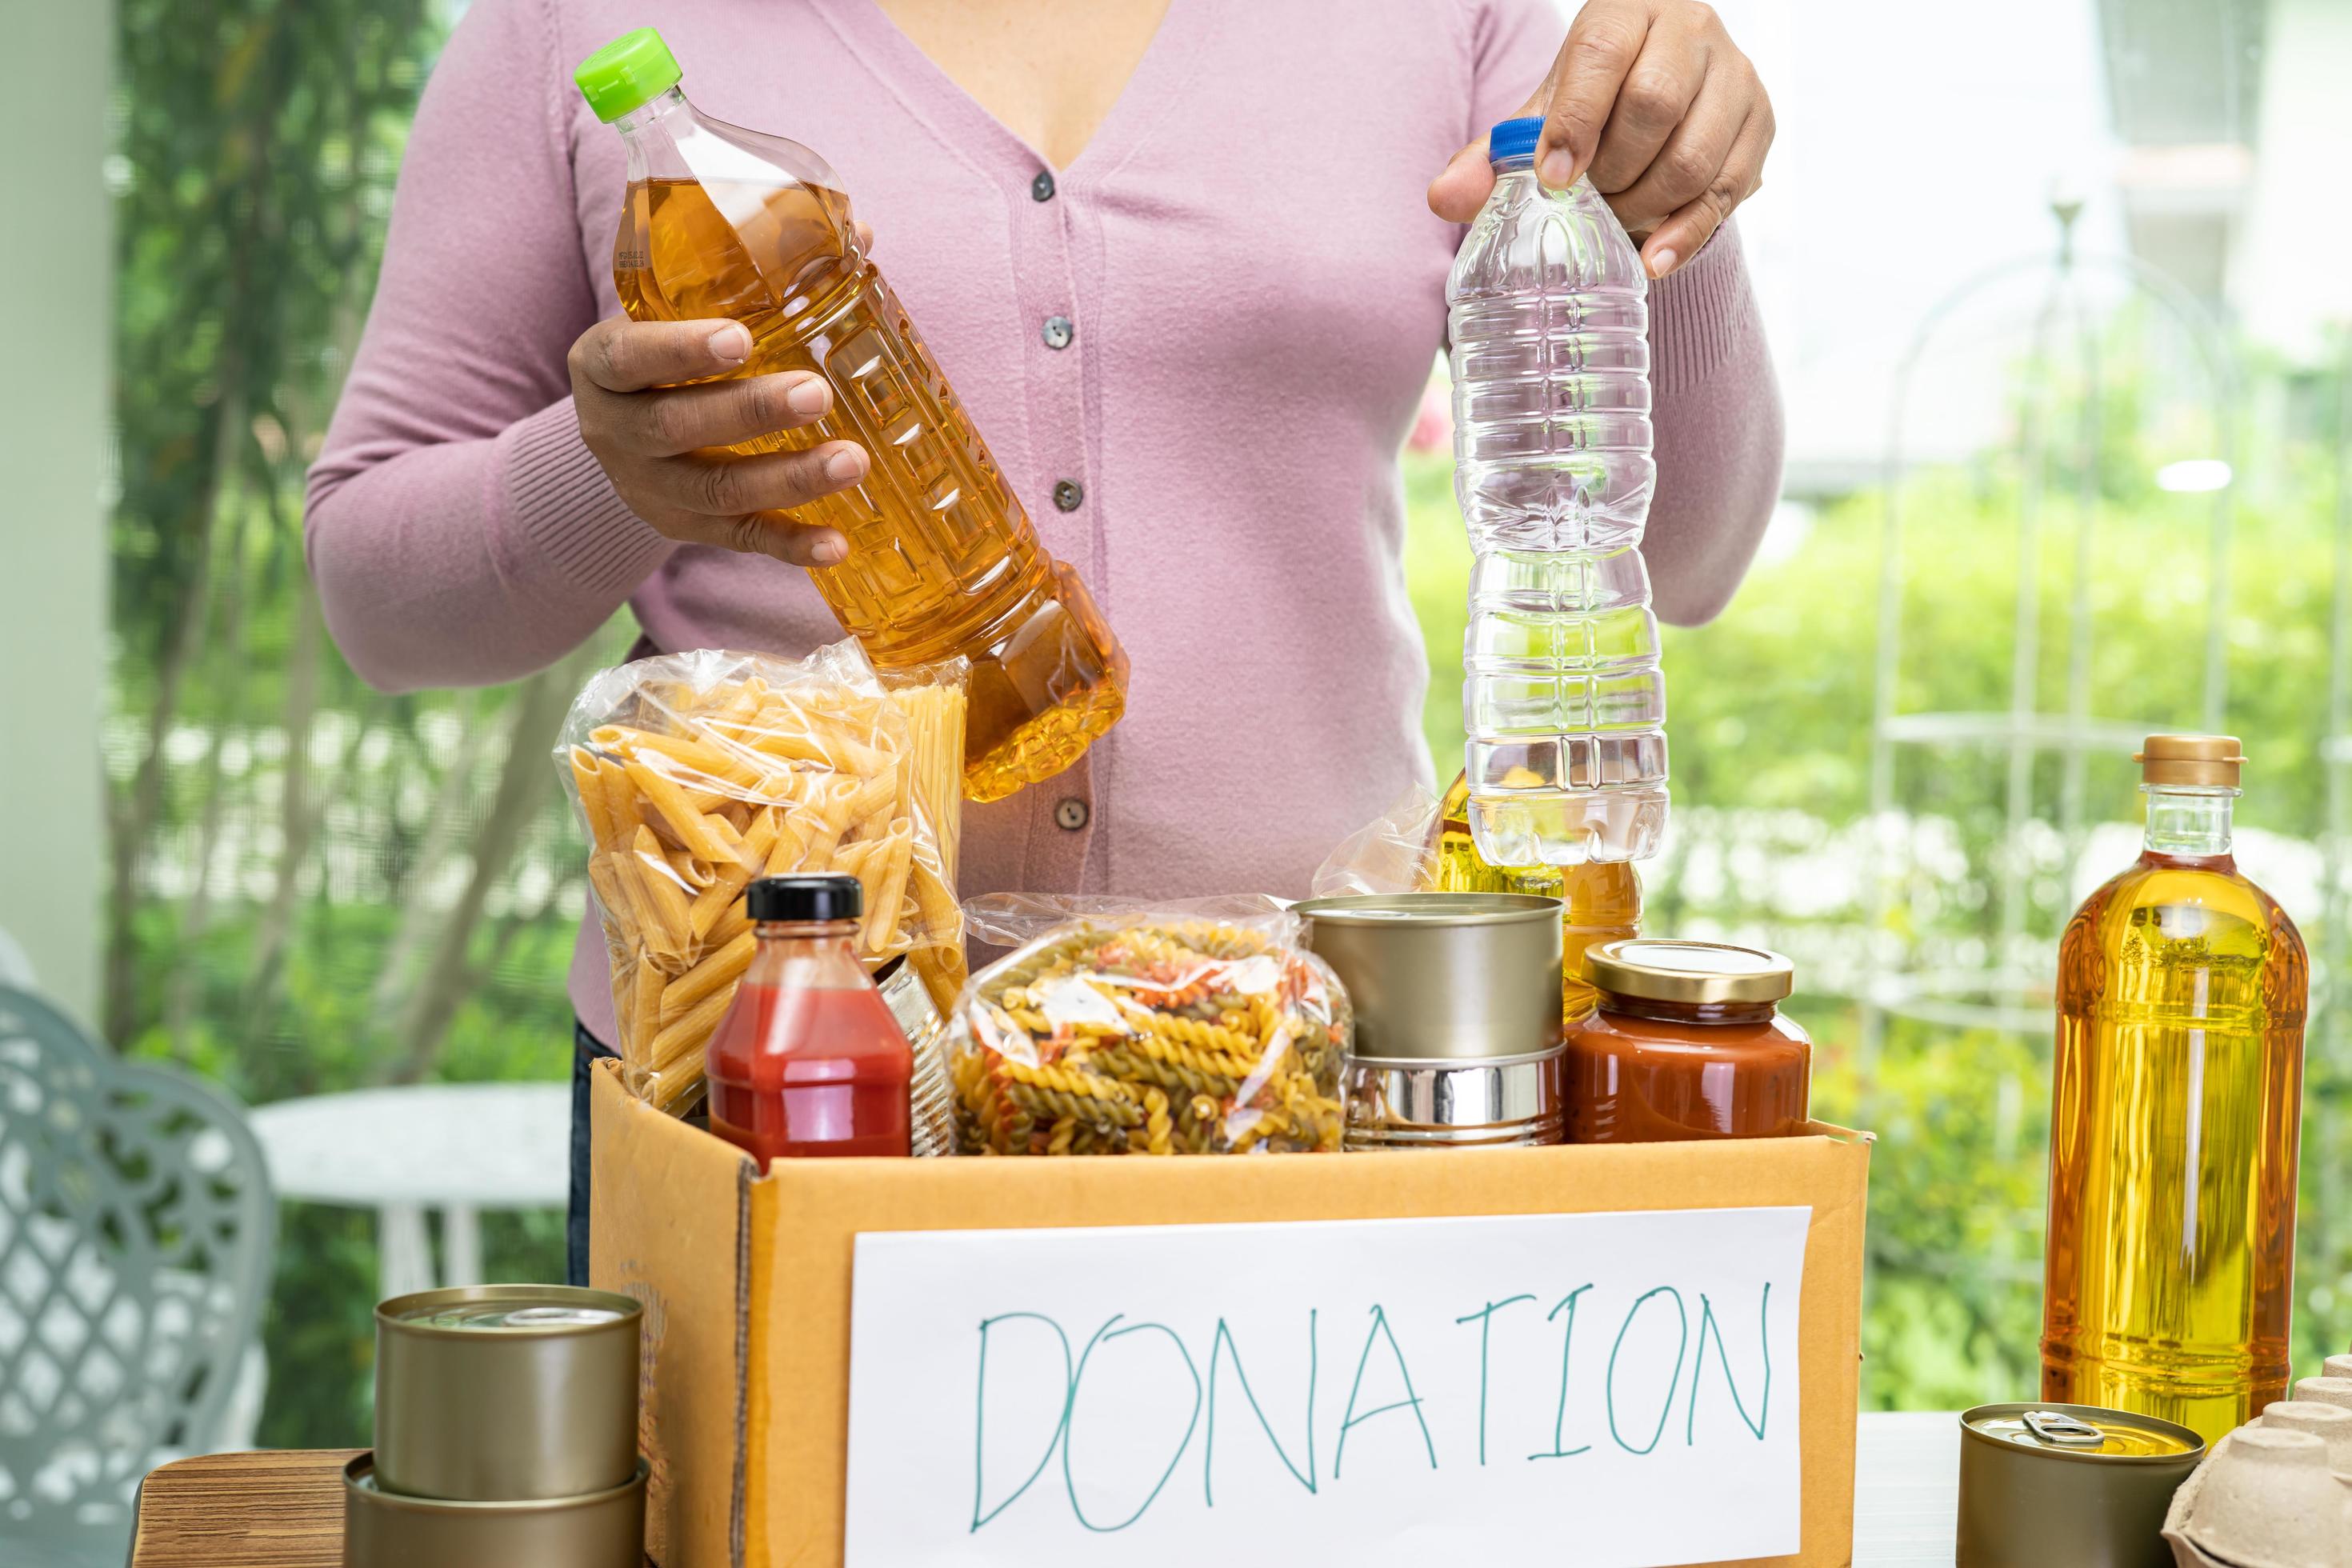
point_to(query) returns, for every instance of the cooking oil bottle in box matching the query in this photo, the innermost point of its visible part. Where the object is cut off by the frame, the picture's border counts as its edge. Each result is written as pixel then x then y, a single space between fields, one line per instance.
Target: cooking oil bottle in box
pixel 2174 1116
pixel 1601 900
pixel 723 222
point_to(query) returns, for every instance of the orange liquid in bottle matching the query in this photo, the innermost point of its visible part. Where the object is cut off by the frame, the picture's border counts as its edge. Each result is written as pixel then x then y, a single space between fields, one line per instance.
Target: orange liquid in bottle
pixel 942 557
pixel 1602 898
pixel 1645 1071
pixel 2175 1109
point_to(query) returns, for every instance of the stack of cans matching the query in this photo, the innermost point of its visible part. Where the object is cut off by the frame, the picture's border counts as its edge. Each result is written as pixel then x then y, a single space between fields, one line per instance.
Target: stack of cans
pixel 1457 1015
pixel 506 1433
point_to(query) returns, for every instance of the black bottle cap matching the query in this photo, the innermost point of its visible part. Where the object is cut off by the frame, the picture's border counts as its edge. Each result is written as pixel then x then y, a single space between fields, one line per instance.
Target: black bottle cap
pixel 805 898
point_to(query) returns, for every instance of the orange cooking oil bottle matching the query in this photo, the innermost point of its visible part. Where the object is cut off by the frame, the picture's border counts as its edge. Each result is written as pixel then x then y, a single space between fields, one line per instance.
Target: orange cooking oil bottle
pixel 2174 1120
pixel 1601 900
pixel 723 222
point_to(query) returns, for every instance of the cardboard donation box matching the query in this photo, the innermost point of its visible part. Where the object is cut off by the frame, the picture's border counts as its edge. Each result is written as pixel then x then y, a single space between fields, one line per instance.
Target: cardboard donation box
pixel 1641 1354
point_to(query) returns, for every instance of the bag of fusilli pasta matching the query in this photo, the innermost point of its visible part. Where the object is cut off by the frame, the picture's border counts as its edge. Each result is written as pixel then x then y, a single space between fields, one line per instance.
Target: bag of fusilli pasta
pixel 1125 1028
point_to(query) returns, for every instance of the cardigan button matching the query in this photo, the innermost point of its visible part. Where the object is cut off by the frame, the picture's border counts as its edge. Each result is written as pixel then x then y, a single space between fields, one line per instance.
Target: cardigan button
pixel 1068 496
pixel 1041 189
pixel 1070 814
pixel 1058 331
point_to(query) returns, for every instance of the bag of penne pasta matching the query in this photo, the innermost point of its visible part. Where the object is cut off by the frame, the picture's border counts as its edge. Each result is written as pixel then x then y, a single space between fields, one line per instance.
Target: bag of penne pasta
pixel 695 773
pixel 1118 1027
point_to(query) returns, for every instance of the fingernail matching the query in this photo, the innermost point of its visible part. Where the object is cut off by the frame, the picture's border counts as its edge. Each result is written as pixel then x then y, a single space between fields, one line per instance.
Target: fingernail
pixel 825 552
pixel 732 343
pixel 1559 169
pixel 808 399
pixel 844 467
pixel 1661 262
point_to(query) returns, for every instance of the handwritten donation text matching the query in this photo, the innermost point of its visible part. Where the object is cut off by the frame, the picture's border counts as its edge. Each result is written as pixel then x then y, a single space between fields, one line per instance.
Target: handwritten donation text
pixel 1379 1385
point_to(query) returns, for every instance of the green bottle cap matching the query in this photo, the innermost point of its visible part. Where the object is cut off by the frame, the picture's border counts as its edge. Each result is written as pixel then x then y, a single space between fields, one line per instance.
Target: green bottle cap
pixel 626 74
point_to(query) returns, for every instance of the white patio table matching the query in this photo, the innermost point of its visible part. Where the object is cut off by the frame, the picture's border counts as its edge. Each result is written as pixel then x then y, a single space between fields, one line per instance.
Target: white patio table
pixel 459 1148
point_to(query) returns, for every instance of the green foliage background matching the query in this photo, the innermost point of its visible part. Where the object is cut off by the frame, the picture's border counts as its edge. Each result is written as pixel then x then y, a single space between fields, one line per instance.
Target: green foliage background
pixel 318 887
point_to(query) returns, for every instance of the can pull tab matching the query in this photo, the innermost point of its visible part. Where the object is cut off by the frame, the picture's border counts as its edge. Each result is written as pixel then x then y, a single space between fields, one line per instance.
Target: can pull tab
pixel 561 1317
pixel 2062 1431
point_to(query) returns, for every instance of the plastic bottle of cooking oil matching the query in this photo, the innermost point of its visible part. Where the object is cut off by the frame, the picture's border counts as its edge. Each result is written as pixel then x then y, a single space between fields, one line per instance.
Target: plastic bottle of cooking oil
pixel 1601 900
pixel 2174 1119
pixel 1562 699
pixel 723 222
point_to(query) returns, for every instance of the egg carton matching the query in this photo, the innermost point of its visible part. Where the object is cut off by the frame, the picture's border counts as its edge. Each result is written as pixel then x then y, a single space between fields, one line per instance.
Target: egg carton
pixel 2276 1492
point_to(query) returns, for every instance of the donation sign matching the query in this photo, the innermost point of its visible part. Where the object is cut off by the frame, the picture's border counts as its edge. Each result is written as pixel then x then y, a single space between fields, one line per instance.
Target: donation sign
pixel 1603 1389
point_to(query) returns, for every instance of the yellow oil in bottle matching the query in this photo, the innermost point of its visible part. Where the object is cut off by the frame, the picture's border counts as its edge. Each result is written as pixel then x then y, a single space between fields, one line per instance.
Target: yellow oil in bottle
pixel 1603 900
pixel 942 557
pixel 2176 1110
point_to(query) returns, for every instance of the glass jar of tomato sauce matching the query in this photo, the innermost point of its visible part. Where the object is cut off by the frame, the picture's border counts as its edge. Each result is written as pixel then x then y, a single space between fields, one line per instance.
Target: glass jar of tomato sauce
pixel 1688 1042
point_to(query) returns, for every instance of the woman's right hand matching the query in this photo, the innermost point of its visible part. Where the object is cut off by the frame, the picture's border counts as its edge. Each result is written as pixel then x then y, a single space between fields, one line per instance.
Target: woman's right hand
pixel 655 439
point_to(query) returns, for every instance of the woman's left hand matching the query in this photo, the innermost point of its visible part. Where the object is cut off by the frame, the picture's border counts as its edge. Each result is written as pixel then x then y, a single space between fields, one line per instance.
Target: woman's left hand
pixel 1653 100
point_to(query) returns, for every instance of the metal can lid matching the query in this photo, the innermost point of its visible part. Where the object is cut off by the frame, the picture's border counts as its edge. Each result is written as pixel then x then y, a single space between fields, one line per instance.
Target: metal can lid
pixel 489 1315
pixel 560 1317
pixel 1428 909
pixel 2081 1432
pixel 506 1309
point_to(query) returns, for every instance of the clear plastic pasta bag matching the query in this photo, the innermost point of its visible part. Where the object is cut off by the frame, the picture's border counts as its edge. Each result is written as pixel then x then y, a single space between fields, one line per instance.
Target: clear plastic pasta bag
pixel 1118 1027
pixel 695 773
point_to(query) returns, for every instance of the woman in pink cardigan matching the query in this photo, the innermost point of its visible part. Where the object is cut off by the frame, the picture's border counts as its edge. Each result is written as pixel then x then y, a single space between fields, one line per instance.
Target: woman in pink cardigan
pixel 1184 261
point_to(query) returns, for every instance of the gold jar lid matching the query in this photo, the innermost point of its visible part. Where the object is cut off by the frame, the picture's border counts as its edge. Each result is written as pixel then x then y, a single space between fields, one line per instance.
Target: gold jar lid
pixel 2210 759
pixel 1661 970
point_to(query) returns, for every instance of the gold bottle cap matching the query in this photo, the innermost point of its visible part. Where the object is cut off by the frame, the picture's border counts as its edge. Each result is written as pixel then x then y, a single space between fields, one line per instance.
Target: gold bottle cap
pixel 1690 972
pixel 2210 759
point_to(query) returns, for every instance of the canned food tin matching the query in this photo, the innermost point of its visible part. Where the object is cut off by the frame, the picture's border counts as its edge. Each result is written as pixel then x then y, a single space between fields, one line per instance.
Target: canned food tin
pixel 506 1392
pixel 1512 1101
pixel 1443 977
pixel 383 1530
pixel 2044 1484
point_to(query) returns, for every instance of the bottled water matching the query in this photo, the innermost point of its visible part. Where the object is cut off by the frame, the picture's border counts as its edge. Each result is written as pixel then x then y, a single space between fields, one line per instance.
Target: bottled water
pixel 1562 699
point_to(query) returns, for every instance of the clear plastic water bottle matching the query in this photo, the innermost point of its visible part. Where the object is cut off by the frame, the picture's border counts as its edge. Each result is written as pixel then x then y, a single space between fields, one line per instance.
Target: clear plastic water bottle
pixel 1562 699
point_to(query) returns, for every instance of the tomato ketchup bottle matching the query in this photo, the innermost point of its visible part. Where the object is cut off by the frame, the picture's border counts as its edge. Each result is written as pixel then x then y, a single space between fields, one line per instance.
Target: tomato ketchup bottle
pixel 808 1059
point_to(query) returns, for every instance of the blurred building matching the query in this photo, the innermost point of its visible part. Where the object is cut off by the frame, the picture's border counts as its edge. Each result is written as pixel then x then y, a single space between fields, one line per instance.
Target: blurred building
pixel 2233 132
pixel 53 521
pixel 1922 144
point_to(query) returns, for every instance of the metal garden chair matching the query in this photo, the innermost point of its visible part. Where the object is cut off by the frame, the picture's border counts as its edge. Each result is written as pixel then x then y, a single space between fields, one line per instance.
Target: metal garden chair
pixel 135 1232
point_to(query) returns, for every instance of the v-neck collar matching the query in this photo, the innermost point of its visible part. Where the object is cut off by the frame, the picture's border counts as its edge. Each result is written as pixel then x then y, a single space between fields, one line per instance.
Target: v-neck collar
pixel 938 100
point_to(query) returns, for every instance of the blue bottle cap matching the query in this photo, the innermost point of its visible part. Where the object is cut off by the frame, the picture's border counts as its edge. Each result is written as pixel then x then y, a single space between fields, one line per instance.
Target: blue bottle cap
pixel 1514 138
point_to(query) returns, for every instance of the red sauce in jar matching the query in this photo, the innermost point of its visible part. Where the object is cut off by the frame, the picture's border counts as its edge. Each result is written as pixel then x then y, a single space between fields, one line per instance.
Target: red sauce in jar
pixel 808 1060
pixel 1687 1043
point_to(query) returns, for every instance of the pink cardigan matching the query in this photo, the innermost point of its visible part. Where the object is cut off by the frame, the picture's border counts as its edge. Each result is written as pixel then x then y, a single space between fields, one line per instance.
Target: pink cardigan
pixel 1257 288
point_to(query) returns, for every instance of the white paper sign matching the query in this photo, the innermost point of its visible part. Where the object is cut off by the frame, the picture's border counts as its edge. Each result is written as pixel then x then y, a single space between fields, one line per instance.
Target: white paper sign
pixel 1604 1389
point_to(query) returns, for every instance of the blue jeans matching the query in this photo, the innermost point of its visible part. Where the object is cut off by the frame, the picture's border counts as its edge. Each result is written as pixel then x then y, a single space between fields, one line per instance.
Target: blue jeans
pixel 585 1049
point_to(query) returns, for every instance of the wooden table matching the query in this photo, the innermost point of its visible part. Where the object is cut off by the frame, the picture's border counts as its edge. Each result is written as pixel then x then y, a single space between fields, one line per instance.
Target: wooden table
pixel 278 1509
pixel 285 1510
